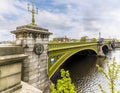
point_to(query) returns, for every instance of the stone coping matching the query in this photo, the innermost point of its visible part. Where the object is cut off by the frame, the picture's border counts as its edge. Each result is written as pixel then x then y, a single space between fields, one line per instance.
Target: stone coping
pixel 12 89
pixel 30 30
pixel 31 27
pixel 26 88
pixel 11 58
pixel 10 50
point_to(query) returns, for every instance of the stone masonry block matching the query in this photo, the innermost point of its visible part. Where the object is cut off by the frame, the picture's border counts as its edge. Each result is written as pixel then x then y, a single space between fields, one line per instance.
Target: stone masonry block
pixel 7 70
pixel 33 76
pixel 10 81
pixel 35 80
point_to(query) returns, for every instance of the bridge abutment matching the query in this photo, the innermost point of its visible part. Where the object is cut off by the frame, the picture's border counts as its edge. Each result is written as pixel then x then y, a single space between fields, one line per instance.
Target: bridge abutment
pixel 34 40
pixel 100 51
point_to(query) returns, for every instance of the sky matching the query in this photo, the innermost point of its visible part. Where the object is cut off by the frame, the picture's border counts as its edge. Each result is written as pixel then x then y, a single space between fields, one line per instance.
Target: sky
pixel 71 18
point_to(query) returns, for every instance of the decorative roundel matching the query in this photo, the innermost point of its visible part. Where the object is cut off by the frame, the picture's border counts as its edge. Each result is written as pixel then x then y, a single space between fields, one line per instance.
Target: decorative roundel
pixel 38 49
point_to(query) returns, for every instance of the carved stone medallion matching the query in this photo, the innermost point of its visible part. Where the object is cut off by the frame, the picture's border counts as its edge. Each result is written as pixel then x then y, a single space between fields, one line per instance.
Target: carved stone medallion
pixel 38 49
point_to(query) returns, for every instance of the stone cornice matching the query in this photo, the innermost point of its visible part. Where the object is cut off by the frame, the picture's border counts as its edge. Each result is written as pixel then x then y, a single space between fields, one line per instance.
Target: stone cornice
pixel 11 58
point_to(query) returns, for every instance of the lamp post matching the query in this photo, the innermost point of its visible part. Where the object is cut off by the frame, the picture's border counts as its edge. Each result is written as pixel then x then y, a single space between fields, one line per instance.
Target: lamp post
pixel 99 36
pixel 33 12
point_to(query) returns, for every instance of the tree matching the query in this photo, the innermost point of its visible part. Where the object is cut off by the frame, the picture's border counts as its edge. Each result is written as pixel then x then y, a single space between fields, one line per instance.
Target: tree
pixel 111 74
pixel 83 39
pixel 64 85
pixel 75 40
pixel 55 40
pixel 93 40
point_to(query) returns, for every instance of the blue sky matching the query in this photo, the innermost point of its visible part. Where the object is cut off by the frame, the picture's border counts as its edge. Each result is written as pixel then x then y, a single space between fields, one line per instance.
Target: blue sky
pixel 71 18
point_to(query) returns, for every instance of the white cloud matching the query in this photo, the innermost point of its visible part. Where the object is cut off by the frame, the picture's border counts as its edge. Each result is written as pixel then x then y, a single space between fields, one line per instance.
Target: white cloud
pixel 13 9
pixel 81 17
pixel 67 1
pixel 55 20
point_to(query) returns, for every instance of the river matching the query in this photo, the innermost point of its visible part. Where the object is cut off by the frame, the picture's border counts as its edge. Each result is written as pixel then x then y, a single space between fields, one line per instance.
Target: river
pixel 85 75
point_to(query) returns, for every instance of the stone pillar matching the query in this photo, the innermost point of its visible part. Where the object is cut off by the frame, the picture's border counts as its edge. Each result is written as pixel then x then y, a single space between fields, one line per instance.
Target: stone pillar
pixel 109 46
pixel 100 51
pixel 34 40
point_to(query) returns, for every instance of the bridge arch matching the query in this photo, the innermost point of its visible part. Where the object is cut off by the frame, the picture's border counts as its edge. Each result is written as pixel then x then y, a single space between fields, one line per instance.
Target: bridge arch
pixel 105 49
pixel 66 56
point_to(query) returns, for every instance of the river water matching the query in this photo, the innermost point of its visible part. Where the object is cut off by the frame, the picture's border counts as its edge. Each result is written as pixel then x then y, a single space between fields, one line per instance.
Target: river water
pixel 85 75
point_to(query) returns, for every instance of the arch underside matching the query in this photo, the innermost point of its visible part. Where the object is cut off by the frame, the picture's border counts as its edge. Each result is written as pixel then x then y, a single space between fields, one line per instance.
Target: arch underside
pixel 67 54
pixel 105 49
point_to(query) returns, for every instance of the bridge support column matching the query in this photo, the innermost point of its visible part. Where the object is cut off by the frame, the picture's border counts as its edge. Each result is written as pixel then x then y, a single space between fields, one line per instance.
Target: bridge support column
pixel 34 40
pixel 100 51
pixel 110 48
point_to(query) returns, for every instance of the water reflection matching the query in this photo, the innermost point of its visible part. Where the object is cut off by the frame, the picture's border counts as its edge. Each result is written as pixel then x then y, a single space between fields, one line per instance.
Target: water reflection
pixel 84 73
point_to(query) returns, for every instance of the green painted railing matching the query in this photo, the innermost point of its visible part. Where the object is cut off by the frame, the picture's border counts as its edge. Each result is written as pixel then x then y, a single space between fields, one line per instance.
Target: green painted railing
pixel 72 46
pixel 67 52
pixel 61 51
pixel 58 45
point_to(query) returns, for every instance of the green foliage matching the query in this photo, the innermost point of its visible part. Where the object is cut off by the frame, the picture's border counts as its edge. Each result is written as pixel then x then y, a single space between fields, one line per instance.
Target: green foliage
pixel 111 74
pixel 75 40
pixel 93 40
pixel 64 85
pixel 83 39
pixel 55 40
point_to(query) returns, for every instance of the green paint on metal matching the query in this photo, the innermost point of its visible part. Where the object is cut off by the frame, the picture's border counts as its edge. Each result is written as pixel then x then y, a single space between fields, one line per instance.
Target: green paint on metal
pixel 66 53
pixel 62 51
pixel 61 45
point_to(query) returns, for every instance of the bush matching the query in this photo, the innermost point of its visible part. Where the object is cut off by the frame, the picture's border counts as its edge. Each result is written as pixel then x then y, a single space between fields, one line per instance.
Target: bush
pixel 64 85
pixel 111 74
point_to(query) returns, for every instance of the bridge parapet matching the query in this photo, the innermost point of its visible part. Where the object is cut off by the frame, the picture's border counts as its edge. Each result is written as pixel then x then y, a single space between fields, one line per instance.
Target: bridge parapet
pixel 59 45
pixel 11 58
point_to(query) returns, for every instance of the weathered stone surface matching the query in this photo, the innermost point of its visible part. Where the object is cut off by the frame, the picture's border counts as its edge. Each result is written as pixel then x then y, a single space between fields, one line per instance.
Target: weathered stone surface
pixel 12 89
pixel 26 78
pixel 10 68
pixel 26 88
pixel 9 59
pixel 9 81
pixel 26 64
pixel 34 64
pixel 10 50
pixel 34 80
pixel 34 72
pixel 33 76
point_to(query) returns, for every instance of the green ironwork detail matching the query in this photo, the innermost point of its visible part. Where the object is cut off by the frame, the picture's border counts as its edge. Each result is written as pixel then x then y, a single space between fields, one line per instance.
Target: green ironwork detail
pixel 55 57
pixel 33 12
pixel 66 50
pixel 61 45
